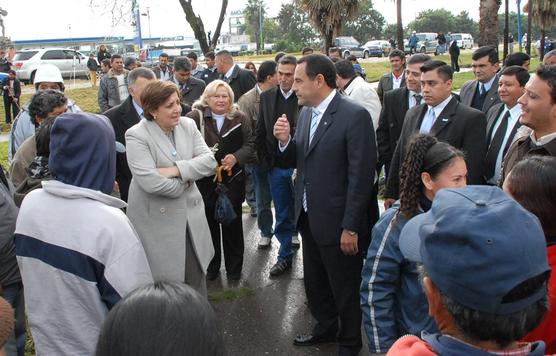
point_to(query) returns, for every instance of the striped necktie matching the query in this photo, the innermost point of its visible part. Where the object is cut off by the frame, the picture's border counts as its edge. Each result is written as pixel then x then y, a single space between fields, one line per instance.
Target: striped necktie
pixel 314 124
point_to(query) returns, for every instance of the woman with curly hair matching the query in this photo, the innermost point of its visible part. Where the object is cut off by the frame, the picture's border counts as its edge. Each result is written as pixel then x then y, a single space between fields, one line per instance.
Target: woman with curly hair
pixel 392 300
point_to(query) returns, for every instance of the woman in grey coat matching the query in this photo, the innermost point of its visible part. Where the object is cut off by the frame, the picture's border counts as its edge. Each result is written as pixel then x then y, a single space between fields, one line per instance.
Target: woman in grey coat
pixel 166 155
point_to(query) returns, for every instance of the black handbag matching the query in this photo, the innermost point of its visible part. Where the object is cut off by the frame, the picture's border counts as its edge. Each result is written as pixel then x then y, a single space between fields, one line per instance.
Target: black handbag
pixel 224 210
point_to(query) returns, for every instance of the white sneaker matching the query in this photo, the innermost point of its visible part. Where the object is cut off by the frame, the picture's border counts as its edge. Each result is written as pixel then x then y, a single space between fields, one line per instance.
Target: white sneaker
pixel 264 242
pixel 295 241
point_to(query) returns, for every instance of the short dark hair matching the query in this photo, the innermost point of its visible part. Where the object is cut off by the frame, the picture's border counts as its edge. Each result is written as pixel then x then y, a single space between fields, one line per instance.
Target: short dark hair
pixel 485 51
pixel 397 53
pixel 279 56
pixel 345 69
pixel 444 70
pixel 517 59
pixel 163 54
pixel 265 69
pixel 532 183
pixel 351 58
pixel 182 64
pixel 161 319
pixel 548 74
pixel 307 49
pixel 210 55
pixel 288 59
pixel 106 62
pixel 223 53
pixel 11 71
pixel 155 94
pixel 333 50
pixel 192 55
pixel 418 58
pixel 319 64
pixel 115 56
pixel 43 102
pixel 139 72
pixel 42 137
pixel 519 72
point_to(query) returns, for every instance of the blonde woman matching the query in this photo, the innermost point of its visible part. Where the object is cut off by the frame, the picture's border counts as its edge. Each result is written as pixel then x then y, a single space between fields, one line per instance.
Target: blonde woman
pixel 166 155
pixel 227 131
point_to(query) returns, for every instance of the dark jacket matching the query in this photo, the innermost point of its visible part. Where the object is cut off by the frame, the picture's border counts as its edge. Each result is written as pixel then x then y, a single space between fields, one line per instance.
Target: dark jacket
pixel 265 142
pixel 122 118
pixel 241 81
pixel 235 137
pixel 522 148
pixel 454 49
pixel 459 125
pixel 9 271
pixel 385 84
pixel 103 55
pixel 468 90
pixel 209 74
pixel 394 108
pixel 92 64
pixel 191 91
pixel 336 171
pixel 392 298
pixel 17 87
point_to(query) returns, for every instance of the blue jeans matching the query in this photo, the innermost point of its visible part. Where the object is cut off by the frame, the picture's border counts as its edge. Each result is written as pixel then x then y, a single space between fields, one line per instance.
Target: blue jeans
pixel 281 188
pixel 262 193
pixel 16 343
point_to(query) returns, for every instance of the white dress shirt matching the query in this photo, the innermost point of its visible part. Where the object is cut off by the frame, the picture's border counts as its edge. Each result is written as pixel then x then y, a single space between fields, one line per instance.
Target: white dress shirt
pixel 515 112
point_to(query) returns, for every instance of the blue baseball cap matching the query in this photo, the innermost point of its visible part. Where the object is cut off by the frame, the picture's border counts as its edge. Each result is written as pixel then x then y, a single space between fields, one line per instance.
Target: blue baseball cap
pixel 477 244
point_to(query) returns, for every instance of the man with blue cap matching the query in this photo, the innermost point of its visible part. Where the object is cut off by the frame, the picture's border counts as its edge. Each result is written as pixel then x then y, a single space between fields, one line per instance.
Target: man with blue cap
pixel 484 272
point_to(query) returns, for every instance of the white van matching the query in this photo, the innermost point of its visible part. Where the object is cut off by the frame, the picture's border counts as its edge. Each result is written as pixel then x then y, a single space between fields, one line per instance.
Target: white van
pixel 465 40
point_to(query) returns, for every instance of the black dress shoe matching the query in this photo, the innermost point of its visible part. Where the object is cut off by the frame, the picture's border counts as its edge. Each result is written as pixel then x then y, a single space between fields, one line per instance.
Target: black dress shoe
pixel 310 339
pixel 280 267
pixel 211 276
pixel 234 276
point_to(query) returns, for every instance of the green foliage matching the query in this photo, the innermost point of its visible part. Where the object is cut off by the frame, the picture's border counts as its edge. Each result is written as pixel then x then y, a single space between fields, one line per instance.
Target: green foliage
pixel 294 26
pixel 512 27
pixel 285 46
pixel 390 31
pixel 465 24
pixel 254 12
pixel 368 24
pixel 440 20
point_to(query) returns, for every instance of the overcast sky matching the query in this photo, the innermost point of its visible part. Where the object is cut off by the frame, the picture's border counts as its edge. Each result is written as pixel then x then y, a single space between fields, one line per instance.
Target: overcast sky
pixel 41 19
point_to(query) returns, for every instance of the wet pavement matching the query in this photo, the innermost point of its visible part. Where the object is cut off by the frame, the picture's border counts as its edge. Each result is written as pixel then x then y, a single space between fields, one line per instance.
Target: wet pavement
pixel 265 322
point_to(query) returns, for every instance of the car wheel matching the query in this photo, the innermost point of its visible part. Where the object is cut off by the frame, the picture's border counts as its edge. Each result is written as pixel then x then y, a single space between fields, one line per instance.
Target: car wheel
pixel 423 50
pixel 366 55
pixel 346 54
pixel 32 77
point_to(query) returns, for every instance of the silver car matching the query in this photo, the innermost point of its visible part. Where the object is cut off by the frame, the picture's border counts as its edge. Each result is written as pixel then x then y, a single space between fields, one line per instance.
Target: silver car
pixel 69 61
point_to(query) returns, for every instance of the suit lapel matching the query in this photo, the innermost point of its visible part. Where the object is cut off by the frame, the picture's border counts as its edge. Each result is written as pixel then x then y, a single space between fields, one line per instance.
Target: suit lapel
pixel 492 122
pixel 130 117
pixel 491 95
pixel 325 122
pixel 163 143
pixel 445 117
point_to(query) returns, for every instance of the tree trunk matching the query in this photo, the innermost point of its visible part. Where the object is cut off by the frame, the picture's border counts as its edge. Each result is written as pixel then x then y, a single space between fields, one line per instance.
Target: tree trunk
pixel 399 23
pixel 328 40
pixel 506 24
pixel 488 23
pixel 529 21
pixel 199 28
pixel 541 50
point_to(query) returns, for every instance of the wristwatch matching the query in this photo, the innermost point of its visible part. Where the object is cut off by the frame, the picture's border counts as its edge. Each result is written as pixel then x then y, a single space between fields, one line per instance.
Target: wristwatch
pixel 351 233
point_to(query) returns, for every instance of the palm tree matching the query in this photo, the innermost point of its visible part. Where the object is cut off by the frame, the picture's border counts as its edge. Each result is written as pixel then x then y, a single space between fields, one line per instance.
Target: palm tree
pixel 328 16
pixel 488 23
pixel 399 24
pixel 544 14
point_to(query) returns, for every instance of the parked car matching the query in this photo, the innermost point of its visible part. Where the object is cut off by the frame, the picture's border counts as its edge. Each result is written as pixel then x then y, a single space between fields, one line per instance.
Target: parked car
pixel 349 45
pixel 426 43
pixel 69 61
pixel 464 40
pixel 376 48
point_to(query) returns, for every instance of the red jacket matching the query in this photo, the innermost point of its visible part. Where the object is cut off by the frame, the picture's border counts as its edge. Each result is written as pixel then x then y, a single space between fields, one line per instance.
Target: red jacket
pixel 547 330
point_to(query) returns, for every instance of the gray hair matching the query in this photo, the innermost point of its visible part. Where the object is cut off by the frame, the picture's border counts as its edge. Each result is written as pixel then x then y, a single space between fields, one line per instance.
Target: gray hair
pixel 182 64
pixel 44 101
pixel 548 55
pixel 139 72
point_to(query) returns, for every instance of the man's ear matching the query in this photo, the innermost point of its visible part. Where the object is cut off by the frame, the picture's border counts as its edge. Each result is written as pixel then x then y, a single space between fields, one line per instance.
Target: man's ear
pixel 433 296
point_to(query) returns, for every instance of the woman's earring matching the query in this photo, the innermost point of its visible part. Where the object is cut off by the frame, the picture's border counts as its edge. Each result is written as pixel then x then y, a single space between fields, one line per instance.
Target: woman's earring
pixel 154 117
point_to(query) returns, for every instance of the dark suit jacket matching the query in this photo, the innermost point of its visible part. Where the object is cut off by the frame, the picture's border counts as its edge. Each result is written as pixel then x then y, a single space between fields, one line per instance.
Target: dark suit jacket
pixel 241 81
pixel 459 125
pixel 468 90
pixel 193 90
pixel 394 108
pixel 385 84
pixel 122 118
pixel 265 142
pixel 336 170
pixel 492 115
pixel 17 87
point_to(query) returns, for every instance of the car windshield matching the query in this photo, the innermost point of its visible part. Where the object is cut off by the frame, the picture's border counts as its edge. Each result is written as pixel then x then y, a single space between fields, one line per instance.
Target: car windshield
pixel 456 37
pixel 23 56
pixel 421 37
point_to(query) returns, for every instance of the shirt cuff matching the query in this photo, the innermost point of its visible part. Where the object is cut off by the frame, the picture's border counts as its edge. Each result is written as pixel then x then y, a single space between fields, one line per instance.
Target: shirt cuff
pixel 283 148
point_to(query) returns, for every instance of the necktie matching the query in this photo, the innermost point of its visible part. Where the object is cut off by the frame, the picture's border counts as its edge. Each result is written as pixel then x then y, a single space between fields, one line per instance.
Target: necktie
pixel 495 146
pixel 428 122
pixel 417 99
pixel 312 129
pixel 314 124
pixel 482 91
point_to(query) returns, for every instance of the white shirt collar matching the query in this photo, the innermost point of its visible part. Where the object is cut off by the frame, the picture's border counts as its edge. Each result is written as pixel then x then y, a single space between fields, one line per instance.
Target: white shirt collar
pixel 258 89
pixel 286 95
pixel 438 108
pixel 138 108
pixel 324 104
pixel 229 73
pixel 543 140
pixel 488 84
pixel 515 112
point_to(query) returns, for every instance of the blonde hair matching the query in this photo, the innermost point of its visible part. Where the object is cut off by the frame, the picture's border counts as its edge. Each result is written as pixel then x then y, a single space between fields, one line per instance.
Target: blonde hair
pixel 210 91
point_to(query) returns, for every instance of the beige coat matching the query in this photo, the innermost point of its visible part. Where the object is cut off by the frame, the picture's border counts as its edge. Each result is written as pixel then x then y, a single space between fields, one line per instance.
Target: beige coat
pixel 162 208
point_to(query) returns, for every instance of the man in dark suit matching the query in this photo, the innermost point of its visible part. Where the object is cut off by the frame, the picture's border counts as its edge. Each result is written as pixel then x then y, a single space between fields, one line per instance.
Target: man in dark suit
pixel 503 120
pixel 12 91
pixel 335 155
pixel 395 105
pixel 240 80
pixel 394 79
pixel 482 92
pixel 125 116
pixel 444 117
pixel 191 88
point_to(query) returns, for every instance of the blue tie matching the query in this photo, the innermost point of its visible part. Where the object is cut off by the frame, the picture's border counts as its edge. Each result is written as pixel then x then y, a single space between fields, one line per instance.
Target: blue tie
pixel 314 124
pixel 429 120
